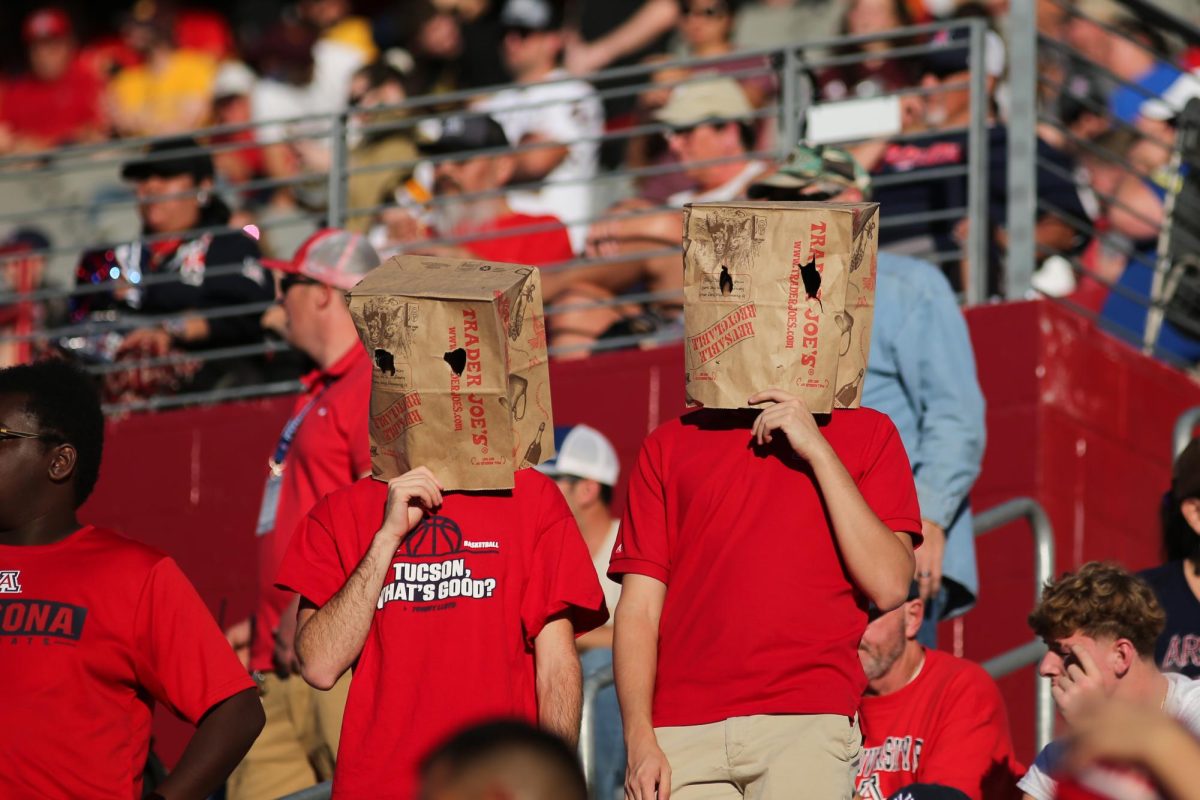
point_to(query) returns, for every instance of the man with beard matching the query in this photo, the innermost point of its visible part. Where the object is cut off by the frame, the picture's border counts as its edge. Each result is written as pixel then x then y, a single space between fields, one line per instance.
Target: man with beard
pixel 468 203
pixel 928 717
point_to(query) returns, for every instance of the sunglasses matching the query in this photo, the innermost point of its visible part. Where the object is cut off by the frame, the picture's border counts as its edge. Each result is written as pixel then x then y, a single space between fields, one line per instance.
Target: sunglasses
pixel 520 33
pixel 289 280
pixel 8 433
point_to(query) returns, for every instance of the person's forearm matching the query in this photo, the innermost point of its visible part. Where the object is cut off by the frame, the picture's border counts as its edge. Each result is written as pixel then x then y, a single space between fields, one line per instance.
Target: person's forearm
pixel 878 561
pixel 560 699
pixel 221 740
pixel 635 662
pixel 329 641
pixel 652 20
pixel 595 639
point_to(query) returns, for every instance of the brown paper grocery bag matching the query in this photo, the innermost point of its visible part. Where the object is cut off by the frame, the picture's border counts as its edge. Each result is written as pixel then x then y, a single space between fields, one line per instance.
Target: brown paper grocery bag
pixel 778 294
pixel 460 382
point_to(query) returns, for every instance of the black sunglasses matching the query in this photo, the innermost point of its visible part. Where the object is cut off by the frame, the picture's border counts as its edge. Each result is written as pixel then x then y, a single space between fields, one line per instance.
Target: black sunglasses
pixel 520 32
pixel 708 11
pixel 289 280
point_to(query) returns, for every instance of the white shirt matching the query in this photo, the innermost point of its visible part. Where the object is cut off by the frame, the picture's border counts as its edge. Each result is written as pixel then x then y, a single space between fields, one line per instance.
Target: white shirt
pixel 612 589
pixel 1182 703
pixel 732 189
pixel 568 113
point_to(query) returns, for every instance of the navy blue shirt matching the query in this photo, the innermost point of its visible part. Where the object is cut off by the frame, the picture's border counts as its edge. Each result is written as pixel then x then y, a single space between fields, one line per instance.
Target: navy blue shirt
pixel 1178 648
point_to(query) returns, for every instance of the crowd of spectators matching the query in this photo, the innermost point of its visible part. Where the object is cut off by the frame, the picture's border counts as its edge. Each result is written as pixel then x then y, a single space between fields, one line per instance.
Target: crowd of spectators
pixel 609 162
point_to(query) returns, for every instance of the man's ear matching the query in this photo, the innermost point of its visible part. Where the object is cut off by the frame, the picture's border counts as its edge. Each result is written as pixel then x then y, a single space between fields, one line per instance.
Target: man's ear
pixel 503 168
pixel 914 615
pixel 1190 509
pixel 63 460
pixel 588 491
pixel 1123 655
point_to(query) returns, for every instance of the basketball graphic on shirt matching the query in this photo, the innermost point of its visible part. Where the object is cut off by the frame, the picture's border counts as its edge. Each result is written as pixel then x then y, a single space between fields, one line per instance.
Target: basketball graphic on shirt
pixel 435 536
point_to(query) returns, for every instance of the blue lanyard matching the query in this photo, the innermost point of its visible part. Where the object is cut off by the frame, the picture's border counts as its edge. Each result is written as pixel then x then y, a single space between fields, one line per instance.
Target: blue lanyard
pixel 289 433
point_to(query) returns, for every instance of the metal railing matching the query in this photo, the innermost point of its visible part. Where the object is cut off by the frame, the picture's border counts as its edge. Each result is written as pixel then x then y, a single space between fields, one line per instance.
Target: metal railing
pixel 1059 65
pixel 96 214
pixel 1043 572
pixel 1185 423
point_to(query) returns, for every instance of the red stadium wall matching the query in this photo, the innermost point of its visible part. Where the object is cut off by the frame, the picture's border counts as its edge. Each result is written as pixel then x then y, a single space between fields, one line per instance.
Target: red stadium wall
pixel 1077 420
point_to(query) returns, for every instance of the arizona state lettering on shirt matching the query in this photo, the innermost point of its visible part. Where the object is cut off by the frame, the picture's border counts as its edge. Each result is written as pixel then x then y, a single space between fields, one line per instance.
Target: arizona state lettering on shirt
pixel 41 618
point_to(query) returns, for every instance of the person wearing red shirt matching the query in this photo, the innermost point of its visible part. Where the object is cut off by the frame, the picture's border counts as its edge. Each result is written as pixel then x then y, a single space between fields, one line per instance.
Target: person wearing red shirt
pixel 324 446
pixel 96 628
pixel 453 608
pixel 929 717
pixel 58 102
pixel 750 546
pixel 469 203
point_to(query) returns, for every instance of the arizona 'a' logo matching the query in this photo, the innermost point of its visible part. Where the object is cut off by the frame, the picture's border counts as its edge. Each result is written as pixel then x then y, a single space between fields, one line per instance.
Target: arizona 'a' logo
pixel 10 581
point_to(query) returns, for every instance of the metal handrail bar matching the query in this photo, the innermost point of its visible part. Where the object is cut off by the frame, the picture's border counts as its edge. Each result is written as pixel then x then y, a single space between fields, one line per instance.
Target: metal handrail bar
pixel 1160 17
pixel 173 359
pixel 127 320
pixel 163 402
pixel 321 791
pixel 1104 25
pixel 466 95
pixel 592 686
pixel 1053 44
pixel 1043 572
pixel 1181 435
pixel 1054 169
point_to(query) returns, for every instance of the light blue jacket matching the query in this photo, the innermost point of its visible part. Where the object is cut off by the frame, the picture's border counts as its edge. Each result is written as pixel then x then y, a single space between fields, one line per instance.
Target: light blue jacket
pixel 921 373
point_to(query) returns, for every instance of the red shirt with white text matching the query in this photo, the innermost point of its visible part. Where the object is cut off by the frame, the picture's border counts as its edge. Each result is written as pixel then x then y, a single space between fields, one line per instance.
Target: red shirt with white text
pixel 451 644
pixel 948 726
pixel 94 629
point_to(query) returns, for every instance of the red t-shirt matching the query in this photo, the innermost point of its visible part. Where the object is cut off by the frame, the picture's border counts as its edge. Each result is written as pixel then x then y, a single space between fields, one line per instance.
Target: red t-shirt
pixel 947 727
pixel 331 450
pixel 759 615
pixel 452 639
pixel 56 111
pixel 536 248
pixel 93 630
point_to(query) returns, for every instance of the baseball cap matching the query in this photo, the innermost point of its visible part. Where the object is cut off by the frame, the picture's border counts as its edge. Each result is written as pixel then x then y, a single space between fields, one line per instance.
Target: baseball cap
pixel 950 53
pixel 1170 104
pixel 816 166
pixel 582 452
pixel 533 15
pixel 47 23
pixel 166 158
pixel 233 79
pixel 928 791
pixel 330 256
pixel 460 134
pixel 701 101
pixel 1185 474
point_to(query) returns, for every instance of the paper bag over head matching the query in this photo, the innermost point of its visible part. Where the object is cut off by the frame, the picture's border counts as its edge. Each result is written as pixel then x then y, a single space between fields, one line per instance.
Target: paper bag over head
pixel 778 294
pixel 460 379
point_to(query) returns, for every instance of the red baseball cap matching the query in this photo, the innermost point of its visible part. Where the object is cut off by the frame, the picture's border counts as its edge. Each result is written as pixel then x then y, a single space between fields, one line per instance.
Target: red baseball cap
pixel 330 256
pixel 48 23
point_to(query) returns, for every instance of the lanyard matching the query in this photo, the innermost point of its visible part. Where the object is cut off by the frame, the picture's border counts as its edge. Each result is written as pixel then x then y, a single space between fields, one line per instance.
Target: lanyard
pixel 289 433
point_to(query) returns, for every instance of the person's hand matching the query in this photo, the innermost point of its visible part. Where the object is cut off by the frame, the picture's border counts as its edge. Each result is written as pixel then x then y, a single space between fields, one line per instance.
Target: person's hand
pixel 929 559
pixel 1078 685
pixel 1106 729
pixel 402 226
pixel 647 770
pixel 790 417
pixel 146 343
pixel 409 497
pixel 602 239
pixel 238 636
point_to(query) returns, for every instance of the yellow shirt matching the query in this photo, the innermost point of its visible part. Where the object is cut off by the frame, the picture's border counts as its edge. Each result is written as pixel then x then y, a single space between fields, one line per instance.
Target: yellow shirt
pixel 354 32
pixel 165 100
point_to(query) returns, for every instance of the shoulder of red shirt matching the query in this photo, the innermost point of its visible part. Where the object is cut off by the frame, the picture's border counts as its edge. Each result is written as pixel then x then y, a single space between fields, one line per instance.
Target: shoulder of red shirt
pixel 355 359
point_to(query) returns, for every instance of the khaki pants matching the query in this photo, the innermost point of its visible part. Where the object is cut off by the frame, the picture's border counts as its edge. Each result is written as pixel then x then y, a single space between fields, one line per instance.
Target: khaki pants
pixel 764 758
pixel 298 745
